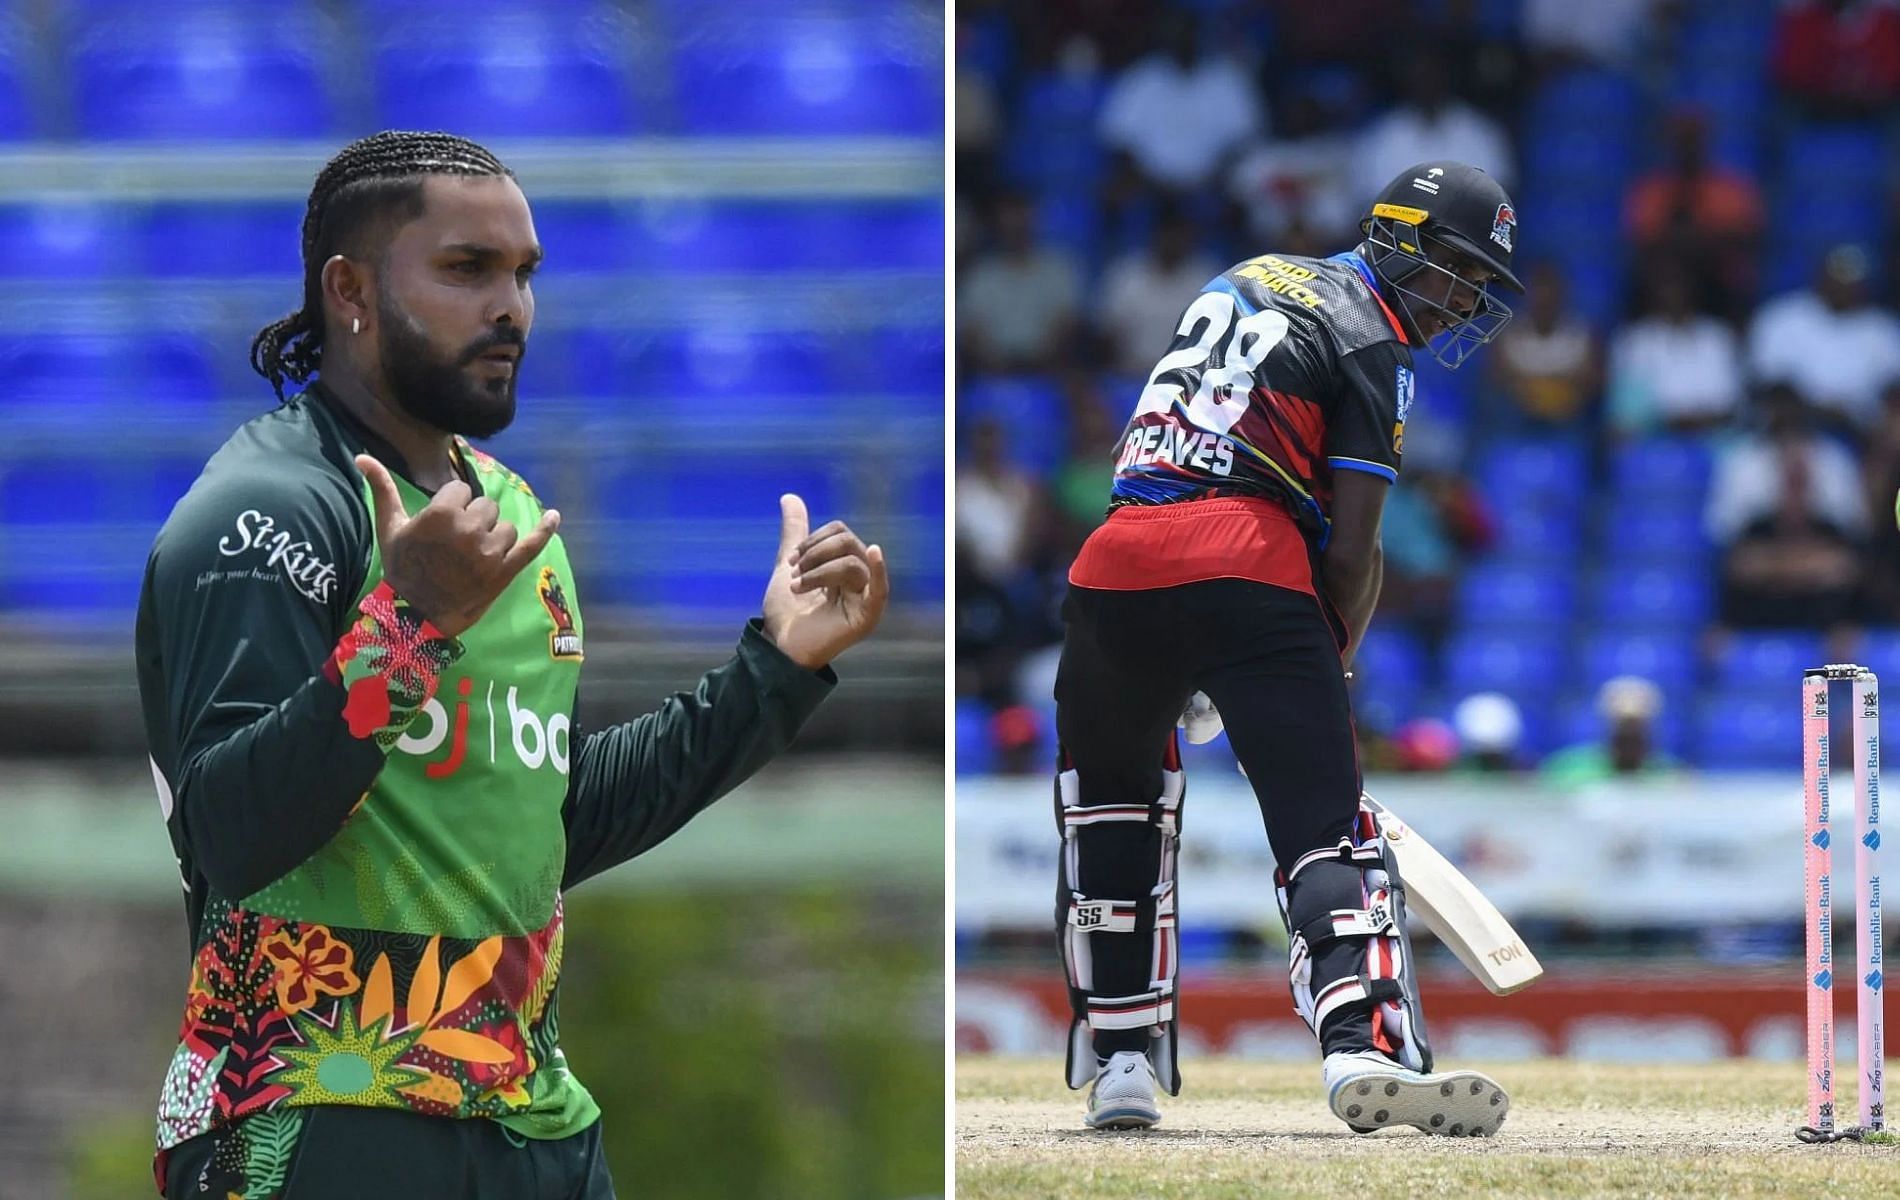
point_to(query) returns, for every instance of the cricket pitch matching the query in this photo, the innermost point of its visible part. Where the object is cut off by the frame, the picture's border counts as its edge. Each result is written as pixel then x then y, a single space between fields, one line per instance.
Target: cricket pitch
pixel 1254 1129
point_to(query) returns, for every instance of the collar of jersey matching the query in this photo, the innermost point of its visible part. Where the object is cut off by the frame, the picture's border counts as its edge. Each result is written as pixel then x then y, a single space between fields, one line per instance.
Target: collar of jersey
pixel 1352 259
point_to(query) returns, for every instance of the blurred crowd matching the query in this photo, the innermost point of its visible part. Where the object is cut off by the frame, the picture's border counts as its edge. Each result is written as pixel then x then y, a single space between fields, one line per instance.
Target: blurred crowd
pixel 1735 312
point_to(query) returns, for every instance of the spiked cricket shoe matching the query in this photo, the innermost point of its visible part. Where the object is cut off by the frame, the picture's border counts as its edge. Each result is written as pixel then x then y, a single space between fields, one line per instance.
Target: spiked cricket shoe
pixel 1369 1091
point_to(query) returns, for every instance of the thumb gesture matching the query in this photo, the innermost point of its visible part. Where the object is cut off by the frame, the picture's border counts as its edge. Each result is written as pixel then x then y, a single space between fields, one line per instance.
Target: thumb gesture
pixel 453 559
pixel 385 501
pixel 828 589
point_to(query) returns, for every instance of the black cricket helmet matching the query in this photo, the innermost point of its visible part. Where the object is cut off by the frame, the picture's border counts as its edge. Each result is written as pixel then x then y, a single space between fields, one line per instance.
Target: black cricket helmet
pixel 1432 220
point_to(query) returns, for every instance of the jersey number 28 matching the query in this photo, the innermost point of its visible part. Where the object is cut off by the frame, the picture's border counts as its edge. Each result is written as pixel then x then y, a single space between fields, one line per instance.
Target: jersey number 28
pixel 1221 393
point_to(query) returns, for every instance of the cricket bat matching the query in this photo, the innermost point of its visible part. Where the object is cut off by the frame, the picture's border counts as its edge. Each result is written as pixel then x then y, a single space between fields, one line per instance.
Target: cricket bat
pixel 1456 911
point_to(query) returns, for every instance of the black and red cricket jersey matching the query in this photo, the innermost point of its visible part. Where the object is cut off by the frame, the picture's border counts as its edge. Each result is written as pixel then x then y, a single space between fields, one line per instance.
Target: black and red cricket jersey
pixel 1282 371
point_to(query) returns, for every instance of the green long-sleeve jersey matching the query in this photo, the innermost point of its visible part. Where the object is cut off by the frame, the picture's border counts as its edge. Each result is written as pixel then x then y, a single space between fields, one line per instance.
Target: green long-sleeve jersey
pixel 375 823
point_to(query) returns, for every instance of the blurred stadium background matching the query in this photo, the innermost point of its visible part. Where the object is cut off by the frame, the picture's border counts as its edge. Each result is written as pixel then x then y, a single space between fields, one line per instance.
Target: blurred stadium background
pixel 1621 532
pixel 742 208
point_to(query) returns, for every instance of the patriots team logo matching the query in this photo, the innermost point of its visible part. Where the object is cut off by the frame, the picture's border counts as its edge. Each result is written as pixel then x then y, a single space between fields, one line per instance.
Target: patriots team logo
pixel 564 642
pixel 1503 226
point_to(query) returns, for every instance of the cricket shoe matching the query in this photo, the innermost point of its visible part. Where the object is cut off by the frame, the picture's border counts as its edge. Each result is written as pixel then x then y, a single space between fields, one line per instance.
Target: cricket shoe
pixel 1124 1093
pixel 1369 1091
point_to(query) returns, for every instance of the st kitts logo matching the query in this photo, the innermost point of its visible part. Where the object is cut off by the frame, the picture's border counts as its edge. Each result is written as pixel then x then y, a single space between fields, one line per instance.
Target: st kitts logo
pixel 510 727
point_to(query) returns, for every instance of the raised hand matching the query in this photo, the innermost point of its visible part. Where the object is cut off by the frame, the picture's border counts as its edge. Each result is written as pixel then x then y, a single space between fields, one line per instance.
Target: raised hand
pixel 451 560
pixel 827 591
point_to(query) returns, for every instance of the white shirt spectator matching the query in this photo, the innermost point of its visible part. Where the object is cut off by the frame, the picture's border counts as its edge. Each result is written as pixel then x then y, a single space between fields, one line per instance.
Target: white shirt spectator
pixel 1601 30
pixel 1663 371
pixel 1407 135
pixel 1018 304
pixel 1276 182
pixel 993 511
pixel 1836 360
pixel 1748 482
pixel 1179 123
pixel 1142 300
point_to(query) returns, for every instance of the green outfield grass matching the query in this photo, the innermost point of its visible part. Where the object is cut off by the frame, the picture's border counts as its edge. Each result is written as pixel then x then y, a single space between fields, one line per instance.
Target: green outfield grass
pixel 1249 1130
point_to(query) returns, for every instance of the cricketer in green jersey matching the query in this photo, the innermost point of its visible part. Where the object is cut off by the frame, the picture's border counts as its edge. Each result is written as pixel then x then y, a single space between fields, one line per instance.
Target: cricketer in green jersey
pixel 358 648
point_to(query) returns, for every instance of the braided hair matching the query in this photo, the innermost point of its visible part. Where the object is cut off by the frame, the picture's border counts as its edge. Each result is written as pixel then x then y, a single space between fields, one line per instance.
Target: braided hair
pixel 369 182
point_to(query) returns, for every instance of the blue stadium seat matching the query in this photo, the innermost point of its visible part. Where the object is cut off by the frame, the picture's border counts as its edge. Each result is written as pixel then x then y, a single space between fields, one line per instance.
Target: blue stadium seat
pixel 1585 96
pixel 1523 666
pixel 1030 409
pixel 1758 659
pixel 976 753
pixel 1849 157
pixel 1641 530
pixel 681 370
pixel 1668 660
pixel 77 239
pixel 51 375
pixel 17 117
pixel 782 73
pixel 1391 658
pixel 899 360
pixel 1675 468
pixel 1499 595
pixel 917 564
pixel 1661 598
pixel 519 73
pixel 200 73
pixel 224 239
pixel 1532 470
pixel 1749 728
pixel 762 237
pixel 1535 533
pixel 1052 140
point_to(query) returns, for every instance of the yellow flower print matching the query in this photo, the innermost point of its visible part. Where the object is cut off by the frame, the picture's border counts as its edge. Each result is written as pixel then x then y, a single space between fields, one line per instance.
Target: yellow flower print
pixel 306 969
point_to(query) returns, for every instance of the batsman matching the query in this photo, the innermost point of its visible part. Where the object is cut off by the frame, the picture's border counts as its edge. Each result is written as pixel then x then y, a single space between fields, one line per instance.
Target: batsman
pixel 1241 559
pixel 359 652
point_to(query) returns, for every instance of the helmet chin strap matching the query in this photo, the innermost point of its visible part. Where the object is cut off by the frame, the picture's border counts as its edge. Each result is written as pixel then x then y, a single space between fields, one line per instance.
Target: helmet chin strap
pixel 1395 251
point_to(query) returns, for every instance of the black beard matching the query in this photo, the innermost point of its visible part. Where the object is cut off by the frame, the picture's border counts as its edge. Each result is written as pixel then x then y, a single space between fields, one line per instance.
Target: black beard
pixel 445 394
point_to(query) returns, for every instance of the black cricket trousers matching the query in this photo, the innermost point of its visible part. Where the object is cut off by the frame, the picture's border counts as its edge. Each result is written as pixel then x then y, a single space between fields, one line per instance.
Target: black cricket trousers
pixel 1269 659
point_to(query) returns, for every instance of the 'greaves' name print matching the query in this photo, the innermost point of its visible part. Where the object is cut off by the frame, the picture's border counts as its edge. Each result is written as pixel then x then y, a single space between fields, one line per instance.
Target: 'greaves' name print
pixel 282 549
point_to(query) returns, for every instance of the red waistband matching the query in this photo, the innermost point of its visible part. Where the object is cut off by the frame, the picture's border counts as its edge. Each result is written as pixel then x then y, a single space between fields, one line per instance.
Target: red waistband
pixel 1164 545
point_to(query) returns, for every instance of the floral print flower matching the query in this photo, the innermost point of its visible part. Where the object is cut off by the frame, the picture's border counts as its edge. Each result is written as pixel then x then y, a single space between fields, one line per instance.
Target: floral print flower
pixel 315 966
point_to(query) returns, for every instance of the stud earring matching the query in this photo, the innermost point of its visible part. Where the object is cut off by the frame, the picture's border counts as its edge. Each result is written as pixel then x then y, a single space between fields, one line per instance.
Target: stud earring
pixel 356 324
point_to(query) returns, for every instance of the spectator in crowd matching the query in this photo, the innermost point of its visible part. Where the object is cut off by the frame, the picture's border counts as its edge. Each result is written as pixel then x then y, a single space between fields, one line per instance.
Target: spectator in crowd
pixel 1676 369
pixel 1881 470
pixel 998 505
pixel 1562 33
pixel 1548 366
pixel 989 638
pixel 1490 729
pixel 1429 123
pixel 1629 706
pixel 1839 59
pixel 1177 116
pixel 1832 343
pixel 1144 292
pixel 1081 483
pixel 1431 525
pixel 1484 57
pixel 1693 207
pixel 977 123
pixel 1299 177
pixel 1016 305
pixel 1787 508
